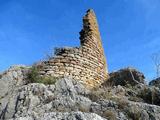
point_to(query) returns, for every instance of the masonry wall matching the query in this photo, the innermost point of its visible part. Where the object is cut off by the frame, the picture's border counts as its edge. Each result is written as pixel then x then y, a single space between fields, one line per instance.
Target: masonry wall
pixel 85 63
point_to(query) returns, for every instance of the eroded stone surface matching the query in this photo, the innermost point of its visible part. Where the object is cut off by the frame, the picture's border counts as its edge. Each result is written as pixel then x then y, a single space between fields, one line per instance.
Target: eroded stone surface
pixel 68 100
pixel 126 76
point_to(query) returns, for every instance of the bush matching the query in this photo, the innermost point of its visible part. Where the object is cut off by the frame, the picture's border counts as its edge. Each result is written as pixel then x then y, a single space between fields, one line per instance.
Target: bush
pixel 34 77
pixel 150 95
pixel 134 113
pixel 48 80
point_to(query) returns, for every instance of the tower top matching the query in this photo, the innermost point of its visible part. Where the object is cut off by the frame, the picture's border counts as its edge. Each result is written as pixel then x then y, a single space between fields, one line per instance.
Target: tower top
pixel 90 37
pixel 90 26
pixel 90 33
pixel 90 11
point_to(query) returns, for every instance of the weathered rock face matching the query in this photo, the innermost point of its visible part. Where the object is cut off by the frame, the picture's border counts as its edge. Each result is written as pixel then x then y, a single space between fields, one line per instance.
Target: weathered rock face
pixel 64 116
pixel 66 99
pixel 37 101
pixel 126 76
pixel 85 63
pixel 155 82
pixel 12 78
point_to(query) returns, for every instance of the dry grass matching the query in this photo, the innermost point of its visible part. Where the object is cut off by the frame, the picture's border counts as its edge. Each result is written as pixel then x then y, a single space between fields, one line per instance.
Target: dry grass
pixel 134 113
pixel 101 94
pixel 109 115
pixel 83 109
pixel 122 103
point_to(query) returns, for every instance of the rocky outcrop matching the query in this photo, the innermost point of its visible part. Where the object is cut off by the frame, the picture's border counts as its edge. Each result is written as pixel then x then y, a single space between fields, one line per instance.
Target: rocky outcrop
pixel 64 116
pixel 126 76
pixel 68 100
pixel 33 99
pixel 12 78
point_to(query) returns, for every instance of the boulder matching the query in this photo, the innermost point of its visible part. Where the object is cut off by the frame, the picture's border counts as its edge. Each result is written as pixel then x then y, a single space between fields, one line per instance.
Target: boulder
pixel 125 76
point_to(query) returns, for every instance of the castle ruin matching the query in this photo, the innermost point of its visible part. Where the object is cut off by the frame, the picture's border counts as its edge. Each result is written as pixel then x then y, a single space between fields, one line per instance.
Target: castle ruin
pixel 85 63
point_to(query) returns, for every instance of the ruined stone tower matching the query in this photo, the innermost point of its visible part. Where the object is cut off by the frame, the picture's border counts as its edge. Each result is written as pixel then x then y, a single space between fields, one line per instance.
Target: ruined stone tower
pixel 91 42
pixel 85 63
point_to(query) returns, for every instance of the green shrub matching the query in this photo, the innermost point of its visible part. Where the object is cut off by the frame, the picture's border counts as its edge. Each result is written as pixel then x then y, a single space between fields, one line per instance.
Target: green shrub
pixel 146 95
pixel 34 77
pixel 48 80
pixel 150 95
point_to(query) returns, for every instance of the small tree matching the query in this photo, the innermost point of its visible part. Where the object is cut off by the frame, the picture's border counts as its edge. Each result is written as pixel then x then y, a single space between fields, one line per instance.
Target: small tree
pixel 156 59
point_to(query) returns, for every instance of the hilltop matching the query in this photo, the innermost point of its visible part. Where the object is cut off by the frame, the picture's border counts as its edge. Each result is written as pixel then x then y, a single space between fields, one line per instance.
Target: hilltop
pixel 75 84
pixel 122 97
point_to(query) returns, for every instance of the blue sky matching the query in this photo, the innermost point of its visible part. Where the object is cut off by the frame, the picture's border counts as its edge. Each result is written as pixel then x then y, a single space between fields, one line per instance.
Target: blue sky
pixel 130 30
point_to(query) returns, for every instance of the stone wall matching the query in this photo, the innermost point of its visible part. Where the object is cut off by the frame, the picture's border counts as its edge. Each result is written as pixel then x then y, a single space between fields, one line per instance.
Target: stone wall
pixel 85 63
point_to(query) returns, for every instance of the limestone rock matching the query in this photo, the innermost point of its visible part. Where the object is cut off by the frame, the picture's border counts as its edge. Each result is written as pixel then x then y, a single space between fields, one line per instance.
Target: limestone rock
pixel 12 78
pixel 64 116
pixel 126 76
pixel 67 99
pixel 36 98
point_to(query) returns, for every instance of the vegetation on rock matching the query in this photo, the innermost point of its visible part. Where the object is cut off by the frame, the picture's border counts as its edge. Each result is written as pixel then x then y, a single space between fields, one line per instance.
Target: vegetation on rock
pixel 34 77
pixel 109 101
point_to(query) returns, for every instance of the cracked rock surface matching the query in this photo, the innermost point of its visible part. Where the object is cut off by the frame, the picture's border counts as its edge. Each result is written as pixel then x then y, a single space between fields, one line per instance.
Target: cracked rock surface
pixel 66 100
